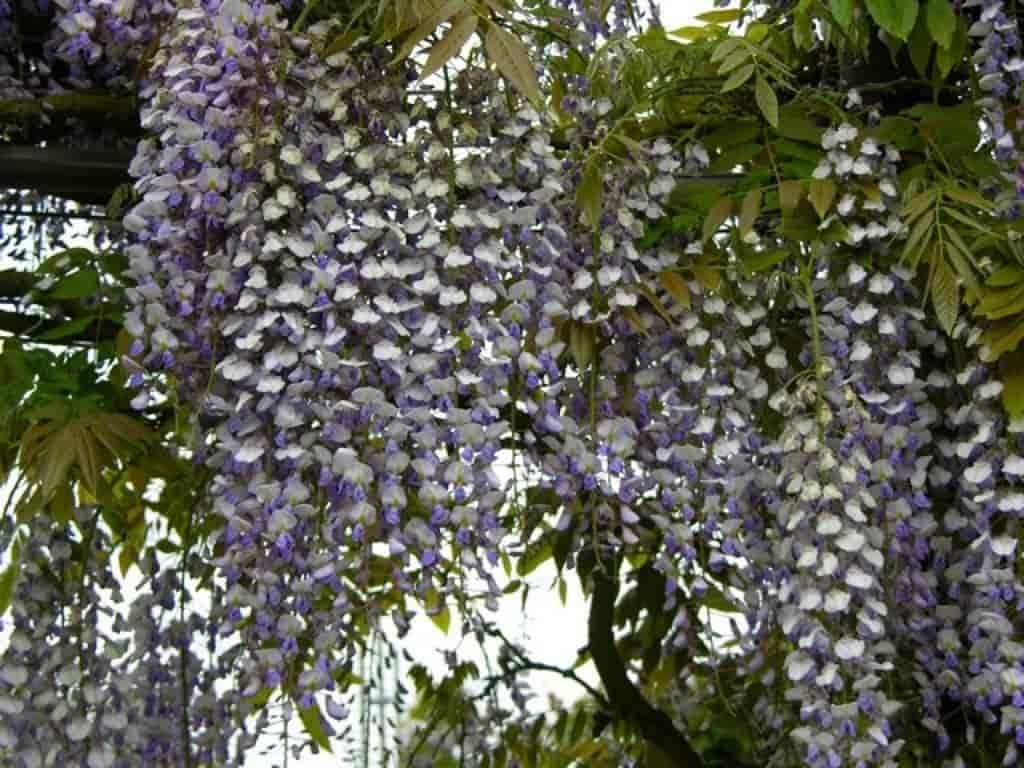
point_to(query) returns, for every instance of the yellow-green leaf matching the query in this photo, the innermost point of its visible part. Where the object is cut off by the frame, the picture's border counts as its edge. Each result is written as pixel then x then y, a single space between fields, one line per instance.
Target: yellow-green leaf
pixel 941 22
pixel 463 27
pixel 896 17
pixel 749 211
pixel 9 577
pixel 581 344
pixel 790 192
pixel 340 43
pixel 724 48
pixel 967 196
pixel 842 12
pixel 1012 369
pixel 442 619
pixel 429 24
pixel 733 60
pixel 512 60
pixel 1004 335
pixel 589 194
pixel 720 17
pixel 716 216
pixel 945 292
pixel 767 102
pixel 655 302
pixel 821 194
pixel 676 287
pixel 738 78
pixel 313 722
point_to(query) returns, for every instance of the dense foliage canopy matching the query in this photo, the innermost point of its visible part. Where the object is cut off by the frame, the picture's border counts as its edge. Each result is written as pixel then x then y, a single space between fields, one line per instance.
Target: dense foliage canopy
pixel 405 299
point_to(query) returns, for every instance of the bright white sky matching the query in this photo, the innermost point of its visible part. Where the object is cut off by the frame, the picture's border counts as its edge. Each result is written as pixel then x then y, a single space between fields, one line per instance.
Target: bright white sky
pixel 553 633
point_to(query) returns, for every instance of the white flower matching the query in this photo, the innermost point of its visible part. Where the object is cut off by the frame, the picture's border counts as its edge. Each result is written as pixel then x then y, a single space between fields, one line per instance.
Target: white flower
pixel 250 451
pixel 829 525
pixel 386 351
pixel 810 599
pixel 851 541
pixel 858 578
pixel 1014 465
pixel 836 601
pixel 482 294
pixel 776 358
pixel 978 472
pixel 78 729
pixel 1004 546
pixel 798 664
pixel 845 133
pixel 608 276
pixel 849 648
pixel 900 375
pixel 452 296
pixel 864 313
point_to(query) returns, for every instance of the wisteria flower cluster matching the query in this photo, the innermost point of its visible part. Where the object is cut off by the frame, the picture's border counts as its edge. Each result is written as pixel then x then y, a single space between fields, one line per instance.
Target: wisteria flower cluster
pixel 395 313
pixel 105 689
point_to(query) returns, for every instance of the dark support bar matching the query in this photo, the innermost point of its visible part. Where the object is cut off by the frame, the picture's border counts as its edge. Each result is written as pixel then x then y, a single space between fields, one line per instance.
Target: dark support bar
pixel 86 176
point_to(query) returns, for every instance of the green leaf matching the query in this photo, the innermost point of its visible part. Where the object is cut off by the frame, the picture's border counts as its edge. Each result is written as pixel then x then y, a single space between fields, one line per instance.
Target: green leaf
pixel 720 17
pixel 821 195
pixel 70 328
pixel 728 160
pixel 77 285
pixel 967 196
pixel 513 61
pixel 790 192
pixel 941 22
pixel 733 60
pixel 738 78
pixel 842 12
pixel 1012 369
pixel 724 48
pixel 945 292
pixel 9 577
pixel 589 194
pixel 761 261
pixel 749 211
pixel 716 217
pixel 313 722
pixel 536 555
pixel 426 26
pixel 920 48
pixel 581 343
pixel 1005 277
pixel 1004 335
pixel 947 58
pixel 767 101
pixel 895 17
pixel 442 619
pixel 796 125
pixel 463 27
pixel 675 286
pixel 655 302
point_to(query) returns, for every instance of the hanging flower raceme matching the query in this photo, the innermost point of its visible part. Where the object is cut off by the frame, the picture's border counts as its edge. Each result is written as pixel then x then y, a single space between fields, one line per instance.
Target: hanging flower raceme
pixel 999 61
pixel 83 681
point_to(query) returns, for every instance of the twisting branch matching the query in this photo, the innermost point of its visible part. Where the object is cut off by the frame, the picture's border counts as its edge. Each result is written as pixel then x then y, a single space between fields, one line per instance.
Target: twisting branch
pixel 627 702
pixel 525 663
